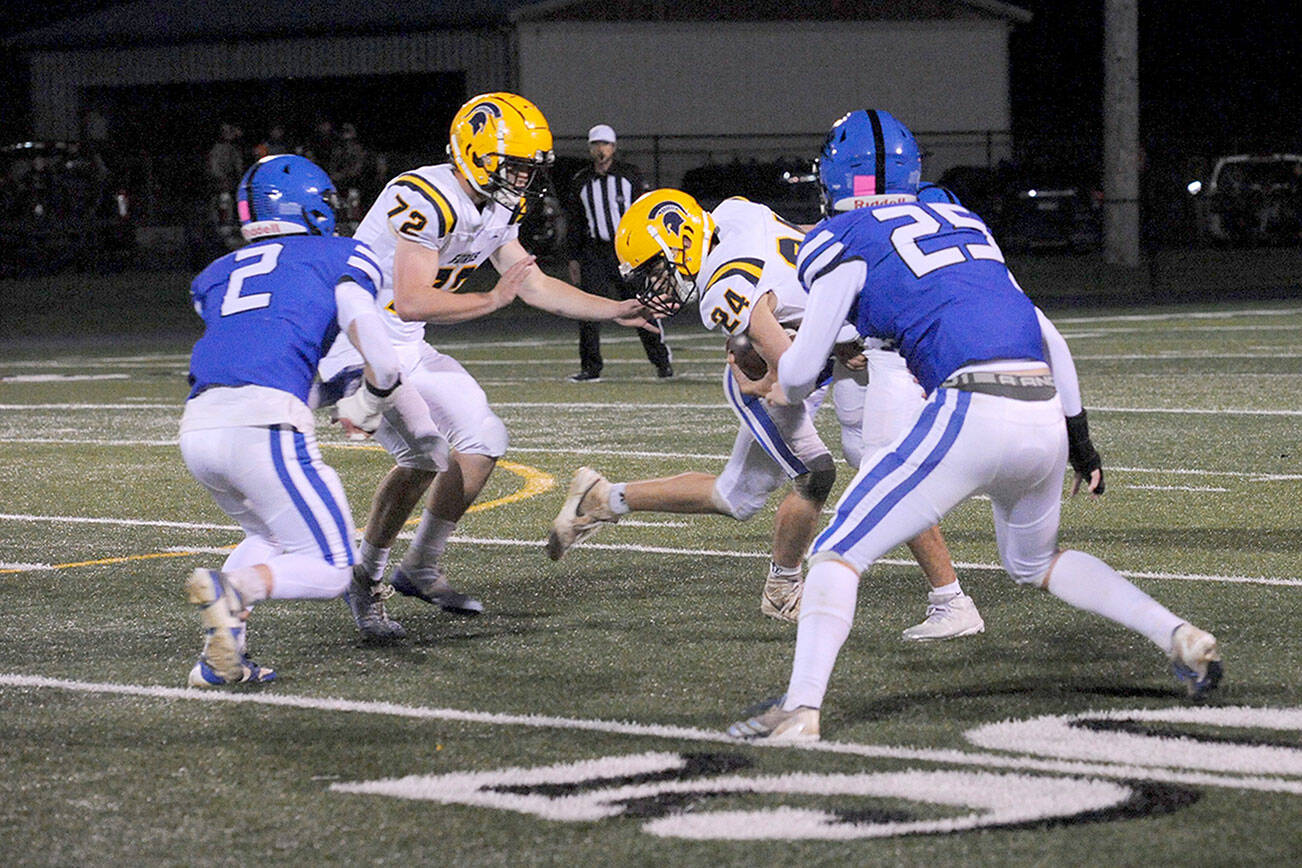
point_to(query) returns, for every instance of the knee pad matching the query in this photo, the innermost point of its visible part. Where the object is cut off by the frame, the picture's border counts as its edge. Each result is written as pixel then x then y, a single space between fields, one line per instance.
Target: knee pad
pixel 739 511
pixel 493 436
pixel 817 484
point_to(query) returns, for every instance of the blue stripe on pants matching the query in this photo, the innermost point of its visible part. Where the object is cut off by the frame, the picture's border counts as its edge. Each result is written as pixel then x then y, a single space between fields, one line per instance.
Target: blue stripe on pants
pixel 893 461
pixel 753 413
pixel 278 459
pixel 324 492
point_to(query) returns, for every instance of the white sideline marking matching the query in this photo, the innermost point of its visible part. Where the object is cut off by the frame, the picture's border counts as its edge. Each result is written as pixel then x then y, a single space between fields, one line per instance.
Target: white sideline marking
pixel 682 733
pixel 560 449
pixel 625 407
pixel 1176 315
pixel 1175 488
pixel 60 378
pixel 612 547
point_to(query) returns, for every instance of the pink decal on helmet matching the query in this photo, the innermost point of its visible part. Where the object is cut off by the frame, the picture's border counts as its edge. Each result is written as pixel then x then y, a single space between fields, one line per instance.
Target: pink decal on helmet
pixel 865 185
pixel 242 208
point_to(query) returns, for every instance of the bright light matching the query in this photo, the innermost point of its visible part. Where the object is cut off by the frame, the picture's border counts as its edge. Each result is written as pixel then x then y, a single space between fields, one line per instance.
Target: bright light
pixel 1032 193
pixel 1195 187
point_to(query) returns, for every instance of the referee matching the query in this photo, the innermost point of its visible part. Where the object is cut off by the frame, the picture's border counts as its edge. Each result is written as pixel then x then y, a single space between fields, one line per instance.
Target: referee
pixel 599 196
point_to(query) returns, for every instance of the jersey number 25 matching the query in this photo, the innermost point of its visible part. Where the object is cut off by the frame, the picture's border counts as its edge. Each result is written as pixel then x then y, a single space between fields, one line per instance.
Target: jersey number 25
pixel 921 224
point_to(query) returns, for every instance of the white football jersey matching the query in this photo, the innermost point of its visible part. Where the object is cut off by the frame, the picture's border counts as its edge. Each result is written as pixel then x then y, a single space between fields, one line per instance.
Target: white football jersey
pixel 428 206
pixel 756 254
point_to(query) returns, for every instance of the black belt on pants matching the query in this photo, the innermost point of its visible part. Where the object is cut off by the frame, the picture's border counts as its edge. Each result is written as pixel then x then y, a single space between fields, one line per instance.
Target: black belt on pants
pixel 1022 387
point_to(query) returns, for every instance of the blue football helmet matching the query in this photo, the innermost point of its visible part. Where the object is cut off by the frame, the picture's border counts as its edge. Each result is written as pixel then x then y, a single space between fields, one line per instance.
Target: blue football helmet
pixel 867 154
pixel 285 194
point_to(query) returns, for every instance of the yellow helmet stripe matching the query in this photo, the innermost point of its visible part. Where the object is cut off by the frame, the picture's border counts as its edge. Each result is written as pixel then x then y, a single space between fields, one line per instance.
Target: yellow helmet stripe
pixel 750 269
pixel 443 208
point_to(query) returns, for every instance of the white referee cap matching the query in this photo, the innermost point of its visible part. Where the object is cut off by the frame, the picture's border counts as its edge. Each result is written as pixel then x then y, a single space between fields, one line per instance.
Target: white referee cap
pixel 601 133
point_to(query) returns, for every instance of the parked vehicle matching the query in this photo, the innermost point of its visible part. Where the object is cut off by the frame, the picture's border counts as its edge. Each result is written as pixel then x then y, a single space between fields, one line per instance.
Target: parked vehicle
pixel 1251 199
pixel 786 185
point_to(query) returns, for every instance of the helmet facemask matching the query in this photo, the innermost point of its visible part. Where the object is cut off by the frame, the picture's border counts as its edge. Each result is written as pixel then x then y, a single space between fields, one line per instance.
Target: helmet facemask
pixel 516 182
pixel 664 283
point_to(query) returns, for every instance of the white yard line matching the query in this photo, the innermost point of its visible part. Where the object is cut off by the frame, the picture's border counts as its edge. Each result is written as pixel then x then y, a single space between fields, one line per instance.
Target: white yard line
pixel 610 547
pixel 560 449
pixel 677 733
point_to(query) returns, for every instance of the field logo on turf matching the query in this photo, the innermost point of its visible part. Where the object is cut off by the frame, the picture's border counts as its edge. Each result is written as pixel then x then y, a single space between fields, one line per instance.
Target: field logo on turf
pixel 673 794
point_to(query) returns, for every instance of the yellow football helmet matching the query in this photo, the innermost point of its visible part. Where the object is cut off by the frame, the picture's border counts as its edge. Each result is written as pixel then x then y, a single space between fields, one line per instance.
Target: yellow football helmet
pixel 661 242
pixel 502 145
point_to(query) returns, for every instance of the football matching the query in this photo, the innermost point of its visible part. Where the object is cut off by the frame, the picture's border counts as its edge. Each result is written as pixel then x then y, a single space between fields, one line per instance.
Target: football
pixel 743 352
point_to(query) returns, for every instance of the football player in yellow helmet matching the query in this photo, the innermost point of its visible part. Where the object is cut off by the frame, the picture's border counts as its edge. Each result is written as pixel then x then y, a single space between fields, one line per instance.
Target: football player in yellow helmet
pixel 502 146
pixel 661 242
pixel 431 228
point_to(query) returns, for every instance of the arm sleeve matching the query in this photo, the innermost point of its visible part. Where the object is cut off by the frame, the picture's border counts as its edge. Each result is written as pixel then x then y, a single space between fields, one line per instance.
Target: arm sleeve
pixel 1062 365
pixel 357 309
pixel 830 297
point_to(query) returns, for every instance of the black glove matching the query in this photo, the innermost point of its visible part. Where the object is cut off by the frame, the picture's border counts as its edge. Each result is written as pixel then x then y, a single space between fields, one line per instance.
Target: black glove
pixel 1081 454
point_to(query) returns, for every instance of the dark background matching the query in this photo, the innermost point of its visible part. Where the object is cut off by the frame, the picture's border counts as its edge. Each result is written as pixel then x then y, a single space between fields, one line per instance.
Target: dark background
pixel 1218 77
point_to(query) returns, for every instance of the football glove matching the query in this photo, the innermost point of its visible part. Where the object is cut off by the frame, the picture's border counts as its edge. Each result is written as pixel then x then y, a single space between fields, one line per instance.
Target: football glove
pixel 1081 454
pixel 364 407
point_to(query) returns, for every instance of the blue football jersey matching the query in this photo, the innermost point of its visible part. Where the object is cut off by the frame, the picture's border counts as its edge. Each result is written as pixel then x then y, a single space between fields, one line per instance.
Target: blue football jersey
pixel 269 310
pixel 937 285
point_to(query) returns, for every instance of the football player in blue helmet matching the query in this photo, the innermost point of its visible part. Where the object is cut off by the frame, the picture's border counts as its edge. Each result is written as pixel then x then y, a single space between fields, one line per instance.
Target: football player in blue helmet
pixel 1003 416
pixel 868 154
pixel 285 194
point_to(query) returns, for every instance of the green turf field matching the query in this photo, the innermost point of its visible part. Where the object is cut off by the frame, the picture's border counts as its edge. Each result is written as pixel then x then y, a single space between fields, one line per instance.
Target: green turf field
pixel 579 720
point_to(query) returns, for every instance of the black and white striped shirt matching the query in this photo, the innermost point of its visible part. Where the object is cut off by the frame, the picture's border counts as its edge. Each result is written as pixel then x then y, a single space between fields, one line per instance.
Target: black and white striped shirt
pixel 602 200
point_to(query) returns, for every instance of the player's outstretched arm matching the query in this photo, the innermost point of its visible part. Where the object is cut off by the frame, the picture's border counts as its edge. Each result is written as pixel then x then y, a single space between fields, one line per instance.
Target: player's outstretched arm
pixel 556 296
pixel 417 298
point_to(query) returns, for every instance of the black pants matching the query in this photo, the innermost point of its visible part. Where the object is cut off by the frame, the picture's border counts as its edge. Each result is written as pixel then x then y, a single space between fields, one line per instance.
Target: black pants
pixel 599 275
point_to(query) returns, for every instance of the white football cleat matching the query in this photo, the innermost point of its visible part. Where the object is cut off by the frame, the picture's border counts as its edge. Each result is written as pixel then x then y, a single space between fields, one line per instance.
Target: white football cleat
pixel 777 726
pixel 949 619
pixel 1196 660
pixel 576 522
pixel 781 598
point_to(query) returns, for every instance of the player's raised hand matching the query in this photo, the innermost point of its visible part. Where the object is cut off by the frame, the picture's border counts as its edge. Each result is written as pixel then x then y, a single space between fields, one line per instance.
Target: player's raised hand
pixel 508 285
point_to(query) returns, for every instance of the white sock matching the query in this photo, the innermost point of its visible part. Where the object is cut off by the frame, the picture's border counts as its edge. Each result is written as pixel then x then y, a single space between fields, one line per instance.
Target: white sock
pixel 618 500
pixel 944 593
pixel 826 613
pixel 304 577
pixel 373 560
pixel 427 546
pixel 776 569
pixel 1087 583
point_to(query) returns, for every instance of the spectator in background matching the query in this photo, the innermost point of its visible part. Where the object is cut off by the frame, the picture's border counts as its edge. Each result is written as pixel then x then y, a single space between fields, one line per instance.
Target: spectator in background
pixel 225 168
pixel 274 144
pixel 598 196
pixel 226 160
pixel 347 165
pixel 321 142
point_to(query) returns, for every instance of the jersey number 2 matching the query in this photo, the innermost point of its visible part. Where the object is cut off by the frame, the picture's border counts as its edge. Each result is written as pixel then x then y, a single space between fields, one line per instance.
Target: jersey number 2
pixel 905 237
pixel 234 301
